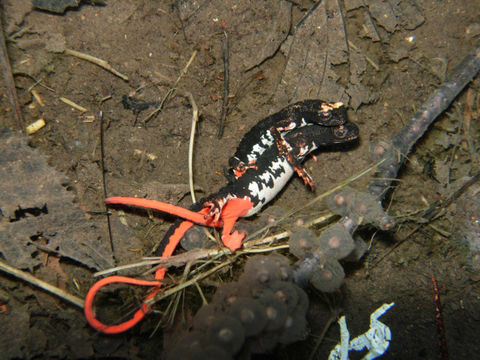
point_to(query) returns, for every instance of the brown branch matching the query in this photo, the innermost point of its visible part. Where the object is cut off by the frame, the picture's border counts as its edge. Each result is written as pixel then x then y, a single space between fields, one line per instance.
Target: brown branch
pixel 9 82
pixel 439 101
pixel 226 84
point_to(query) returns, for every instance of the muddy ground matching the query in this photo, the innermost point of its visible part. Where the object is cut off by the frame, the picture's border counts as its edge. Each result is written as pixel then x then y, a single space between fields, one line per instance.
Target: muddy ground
pixel 398 53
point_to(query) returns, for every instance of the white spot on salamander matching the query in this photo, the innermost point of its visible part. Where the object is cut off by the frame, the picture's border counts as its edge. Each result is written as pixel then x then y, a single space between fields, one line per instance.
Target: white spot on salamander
pixel 266 140
pixel 280 172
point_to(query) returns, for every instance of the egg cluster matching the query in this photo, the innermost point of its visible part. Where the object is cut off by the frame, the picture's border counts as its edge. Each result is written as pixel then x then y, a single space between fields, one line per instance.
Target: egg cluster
pixel 320 254
pixel 389 157
pixel 361 208
pixel 253 315
pixel 324 271
pixel 196 238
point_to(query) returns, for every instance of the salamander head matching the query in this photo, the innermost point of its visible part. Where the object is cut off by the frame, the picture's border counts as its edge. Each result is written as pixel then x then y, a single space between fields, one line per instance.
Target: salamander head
pixel 313 136
pixel 324 113
pixel 344 133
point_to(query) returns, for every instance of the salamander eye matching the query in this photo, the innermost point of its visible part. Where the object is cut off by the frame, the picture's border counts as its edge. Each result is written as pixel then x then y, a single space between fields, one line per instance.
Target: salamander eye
pixel 340 132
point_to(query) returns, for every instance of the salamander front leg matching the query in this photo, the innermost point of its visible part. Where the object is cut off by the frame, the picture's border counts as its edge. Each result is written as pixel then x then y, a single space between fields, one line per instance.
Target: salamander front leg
pixel 240 168
pixel 285 149
pixel 302 172
pixel 232 240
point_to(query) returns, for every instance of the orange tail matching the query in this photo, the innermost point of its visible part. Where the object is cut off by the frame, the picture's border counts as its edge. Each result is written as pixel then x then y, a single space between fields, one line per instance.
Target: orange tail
pixel 195 217
pixel 139 314
pixel 232 210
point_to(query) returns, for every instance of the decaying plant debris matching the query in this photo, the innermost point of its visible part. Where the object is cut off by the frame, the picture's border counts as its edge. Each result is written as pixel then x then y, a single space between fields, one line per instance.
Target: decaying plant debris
pixel 383 58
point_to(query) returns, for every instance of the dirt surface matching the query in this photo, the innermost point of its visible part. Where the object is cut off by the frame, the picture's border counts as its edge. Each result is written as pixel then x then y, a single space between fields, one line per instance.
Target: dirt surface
pixel 397 53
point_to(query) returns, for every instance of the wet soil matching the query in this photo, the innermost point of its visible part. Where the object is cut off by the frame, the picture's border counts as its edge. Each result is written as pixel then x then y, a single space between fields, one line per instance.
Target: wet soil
pixel 151 42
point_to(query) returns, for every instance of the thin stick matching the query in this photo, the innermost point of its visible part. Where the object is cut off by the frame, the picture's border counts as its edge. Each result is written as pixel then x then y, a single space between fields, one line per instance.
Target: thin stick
pixel 9 82
pixel 200 292
pixel 173 89
pixel 190 282
pixel 126 267
pixel 226 78
pixel 102 63
pixel 441 338
pixel 372 22
pixel 104 183
pixel 195 255
pixel 329 323
pixel 73 104
pixel 41 284
pixel 190 145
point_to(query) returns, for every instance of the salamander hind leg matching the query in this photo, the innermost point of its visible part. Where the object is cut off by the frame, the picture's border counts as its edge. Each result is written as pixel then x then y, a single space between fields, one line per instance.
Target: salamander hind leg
pixel 232 240
pixel 233 209
pixel 215 207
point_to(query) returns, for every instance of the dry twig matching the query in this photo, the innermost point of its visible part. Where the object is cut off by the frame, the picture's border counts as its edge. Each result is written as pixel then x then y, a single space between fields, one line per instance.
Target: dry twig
pixel 191 143
pixel 440 100
pixel 171 92
pixel 102 63
pixel 226 84
pixel 73 104
pixel 9 82
pixel 41 284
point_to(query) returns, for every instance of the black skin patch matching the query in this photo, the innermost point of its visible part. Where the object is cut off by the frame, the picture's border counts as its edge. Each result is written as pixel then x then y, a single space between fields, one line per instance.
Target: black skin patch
pixel 265 177
pixel 292 117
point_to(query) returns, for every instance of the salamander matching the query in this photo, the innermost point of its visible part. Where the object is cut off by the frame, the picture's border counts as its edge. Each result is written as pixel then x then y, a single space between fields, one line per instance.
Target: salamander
pixel 243 197
pixel 294 116
pixel 261 184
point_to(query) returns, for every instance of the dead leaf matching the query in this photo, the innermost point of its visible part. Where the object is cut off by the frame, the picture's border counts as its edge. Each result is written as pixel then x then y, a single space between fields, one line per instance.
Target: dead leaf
pixel 445 140
pixel 442 171
pixel 383 12
pixel 38 213
pixel 319 43
pixel 360 94
pixel 55 6
pixel 391 14
pixel 249 46
pixel 410 15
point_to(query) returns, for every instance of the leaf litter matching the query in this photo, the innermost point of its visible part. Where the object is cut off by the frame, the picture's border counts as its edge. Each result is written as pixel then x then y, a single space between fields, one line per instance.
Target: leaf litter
pixel 38 213
pixel 340 72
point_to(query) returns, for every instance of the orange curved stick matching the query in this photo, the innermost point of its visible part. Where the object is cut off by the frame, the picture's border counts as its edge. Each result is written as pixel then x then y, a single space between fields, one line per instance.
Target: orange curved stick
pixel 196 217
